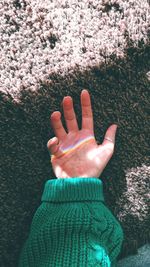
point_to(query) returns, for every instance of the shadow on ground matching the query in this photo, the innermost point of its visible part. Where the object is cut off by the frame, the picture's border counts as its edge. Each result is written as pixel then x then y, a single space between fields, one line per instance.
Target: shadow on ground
pixel 119 93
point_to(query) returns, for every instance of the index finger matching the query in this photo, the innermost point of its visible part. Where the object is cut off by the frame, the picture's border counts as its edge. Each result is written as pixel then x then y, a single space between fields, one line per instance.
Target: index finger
pixel 87 114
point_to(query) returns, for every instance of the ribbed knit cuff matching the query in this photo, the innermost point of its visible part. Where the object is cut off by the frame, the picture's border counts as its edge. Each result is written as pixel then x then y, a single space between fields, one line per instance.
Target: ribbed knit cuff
pixel 73 189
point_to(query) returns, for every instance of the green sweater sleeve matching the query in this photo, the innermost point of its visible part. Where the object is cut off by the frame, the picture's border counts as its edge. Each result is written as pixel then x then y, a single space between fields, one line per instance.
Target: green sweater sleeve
pixel 72 227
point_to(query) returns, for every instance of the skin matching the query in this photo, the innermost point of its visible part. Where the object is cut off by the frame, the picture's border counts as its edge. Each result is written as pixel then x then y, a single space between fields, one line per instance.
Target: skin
pixel 76 153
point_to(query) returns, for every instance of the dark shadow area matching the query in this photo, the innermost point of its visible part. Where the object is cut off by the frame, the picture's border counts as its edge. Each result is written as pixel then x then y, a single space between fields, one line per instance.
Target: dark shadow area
pixel 119 93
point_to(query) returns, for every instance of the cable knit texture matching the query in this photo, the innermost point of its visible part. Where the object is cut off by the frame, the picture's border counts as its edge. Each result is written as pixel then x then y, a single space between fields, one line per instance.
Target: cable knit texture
pixel 72 227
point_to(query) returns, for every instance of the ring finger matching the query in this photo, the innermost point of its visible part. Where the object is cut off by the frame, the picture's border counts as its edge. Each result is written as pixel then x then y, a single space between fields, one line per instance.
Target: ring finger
pixel 69 114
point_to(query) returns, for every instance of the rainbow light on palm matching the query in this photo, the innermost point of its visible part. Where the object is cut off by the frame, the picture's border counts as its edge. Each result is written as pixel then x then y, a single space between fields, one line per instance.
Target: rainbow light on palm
pixel 73 147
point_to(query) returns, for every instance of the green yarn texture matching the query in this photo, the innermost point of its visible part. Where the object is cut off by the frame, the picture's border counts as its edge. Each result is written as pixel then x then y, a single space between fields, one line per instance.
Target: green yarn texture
pixel 72 227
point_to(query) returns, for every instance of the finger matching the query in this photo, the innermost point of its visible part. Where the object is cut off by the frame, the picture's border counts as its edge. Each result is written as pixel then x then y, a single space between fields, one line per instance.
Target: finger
pixel 69 114
pixel 53 147
pixel 110 134
pixel 53 141
pixel 87 114
pixel 57 125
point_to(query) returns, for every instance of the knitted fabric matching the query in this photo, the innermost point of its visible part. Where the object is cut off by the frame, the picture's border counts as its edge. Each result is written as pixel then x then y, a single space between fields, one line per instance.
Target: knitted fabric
pixel 72 227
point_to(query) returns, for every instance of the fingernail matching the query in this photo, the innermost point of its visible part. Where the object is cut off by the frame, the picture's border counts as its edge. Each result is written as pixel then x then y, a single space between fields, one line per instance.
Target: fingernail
pixel 85 90
pixel 54 139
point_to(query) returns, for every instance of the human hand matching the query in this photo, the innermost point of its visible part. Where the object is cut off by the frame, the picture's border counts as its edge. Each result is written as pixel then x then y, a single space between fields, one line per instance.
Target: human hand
pixel 76 153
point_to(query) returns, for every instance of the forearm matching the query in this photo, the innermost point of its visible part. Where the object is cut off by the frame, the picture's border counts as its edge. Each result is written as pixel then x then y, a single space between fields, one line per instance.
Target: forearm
pixel 72 227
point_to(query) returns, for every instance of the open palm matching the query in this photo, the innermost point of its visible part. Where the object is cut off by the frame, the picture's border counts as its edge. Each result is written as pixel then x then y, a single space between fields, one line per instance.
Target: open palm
pixel 76 153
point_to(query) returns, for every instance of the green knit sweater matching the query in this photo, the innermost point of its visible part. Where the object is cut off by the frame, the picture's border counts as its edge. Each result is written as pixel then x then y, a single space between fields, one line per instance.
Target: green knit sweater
pixel 72 227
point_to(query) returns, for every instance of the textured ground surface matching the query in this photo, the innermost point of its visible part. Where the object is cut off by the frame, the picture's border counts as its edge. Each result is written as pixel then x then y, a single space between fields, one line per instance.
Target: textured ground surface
pixel 142 259
pixel 41 37
pixel 50 50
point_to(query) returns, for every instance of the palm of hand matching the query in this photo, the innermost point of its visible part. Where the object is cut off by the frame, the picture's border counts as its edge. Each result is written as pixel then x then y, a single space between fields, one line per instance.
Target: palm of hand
pixel 77 154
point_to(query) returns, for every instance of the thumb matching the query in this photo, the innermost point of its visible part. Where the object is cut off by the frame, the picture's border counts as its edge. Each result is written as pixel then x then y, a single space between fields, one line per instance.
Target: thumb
pixel 110 135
